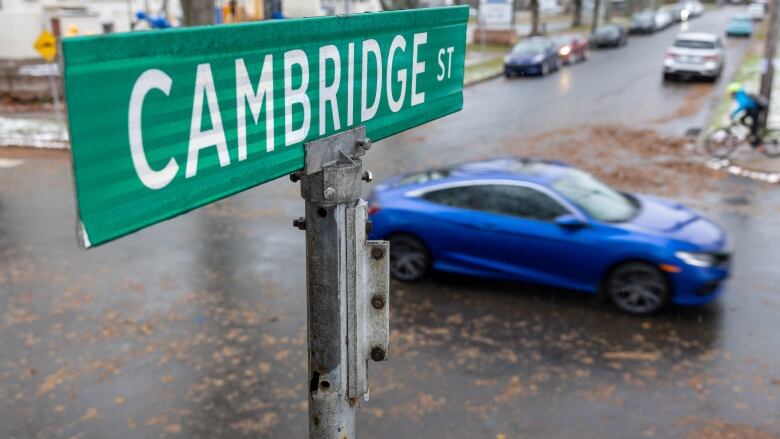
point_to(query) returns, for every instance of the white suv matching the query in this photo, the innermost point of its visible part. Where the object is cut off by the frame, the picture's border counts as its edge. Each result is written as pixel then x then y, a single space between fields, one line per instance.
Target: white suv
pixel 694 55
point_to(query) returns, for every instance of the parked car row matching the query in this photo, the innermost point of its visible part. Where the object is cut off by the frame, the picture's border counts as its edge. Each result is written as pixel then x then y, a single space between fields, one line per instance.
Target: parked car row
pixel 649 20
pixel 541 56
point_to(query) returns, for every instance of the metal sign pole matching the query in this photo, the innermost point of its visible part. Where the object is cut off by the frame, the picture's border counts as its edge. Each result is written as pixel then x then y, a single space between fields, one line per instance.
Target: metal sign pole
pixel 347 280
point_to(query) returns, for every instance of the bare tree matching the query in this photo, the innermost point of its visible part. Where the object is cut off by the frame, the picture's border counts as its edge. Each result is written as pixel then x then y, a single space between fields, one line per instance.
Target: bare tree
pixel 534 17
pixel 391 5
pixel 576 13
pixel 198 12
pixel 595 24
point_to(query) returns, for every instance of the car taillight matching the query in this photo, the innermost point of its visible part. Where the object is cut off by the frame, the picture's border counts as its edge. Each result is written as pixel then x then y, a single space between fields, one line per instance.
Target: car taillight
pixel 710 58
pixel 670 55
pixel 373 208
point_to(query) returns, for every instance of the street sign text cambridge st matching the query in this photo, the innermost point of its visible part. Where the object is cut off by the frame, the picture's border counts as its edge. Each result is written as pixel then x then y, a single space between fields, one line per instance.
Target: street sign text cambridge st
pixel 164 122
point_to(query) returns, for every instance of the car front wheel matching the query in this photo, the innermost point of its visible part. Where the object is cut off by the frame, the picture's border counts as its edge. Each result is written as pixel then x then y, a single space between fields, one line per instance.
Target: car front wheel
pixel 410 259
pixel 637 288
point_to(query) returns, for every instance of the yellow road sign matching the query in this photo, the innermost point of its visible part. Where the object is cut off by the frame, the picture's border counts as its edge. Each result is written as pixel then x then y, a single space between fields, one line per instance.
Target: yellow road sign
pixel 46 45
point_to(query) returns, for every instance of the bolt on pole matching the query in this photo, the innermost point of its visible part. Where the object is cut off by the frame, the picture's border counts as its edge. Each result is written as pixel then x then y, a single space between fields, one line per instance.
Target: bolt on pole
pixel 347 282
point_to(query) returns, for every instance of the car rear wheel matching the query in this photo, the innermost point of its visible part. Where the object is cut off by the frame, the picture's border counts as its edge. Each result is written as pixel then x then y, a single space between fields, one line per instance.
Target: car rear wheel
pixel 637 288
pixel 410 259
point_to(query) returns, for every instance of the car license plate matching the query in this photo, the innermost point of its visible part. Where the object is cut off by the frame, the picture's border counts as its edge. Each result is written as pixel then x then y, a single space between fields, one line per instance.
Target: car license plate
pixel 690 59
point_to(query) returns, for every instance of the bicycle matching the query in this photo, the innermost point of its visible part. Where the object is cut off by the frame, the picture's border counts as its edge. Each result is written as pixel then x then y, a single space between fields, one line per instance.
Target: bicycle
pixel 725 141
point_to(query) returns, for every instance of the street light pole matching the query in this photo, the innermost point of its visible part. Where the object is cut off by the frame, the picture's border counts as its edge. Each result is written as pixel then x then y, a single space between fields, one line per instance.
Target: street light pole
pixel 770 48
pixel 347 283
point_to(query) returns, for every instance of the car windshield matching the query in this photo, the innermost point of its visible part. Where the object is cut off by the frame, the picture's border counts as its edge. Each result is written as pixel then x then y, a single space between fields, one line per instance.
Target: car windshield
pixel 694 44
pixel 606 31
pixel 594 197
pixel 527 48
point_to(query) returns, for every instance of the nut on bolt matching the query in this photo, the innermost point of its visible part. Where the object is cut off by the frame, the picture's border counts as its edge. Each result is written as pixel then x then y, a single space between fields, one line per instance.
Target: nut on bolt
pixel 378 302
pixel 295 177
pixel 377 253
pixel 369 227
pixel 367 176
pixel 300 223
pixel 329 193
pixel 365 144
pixel 377 354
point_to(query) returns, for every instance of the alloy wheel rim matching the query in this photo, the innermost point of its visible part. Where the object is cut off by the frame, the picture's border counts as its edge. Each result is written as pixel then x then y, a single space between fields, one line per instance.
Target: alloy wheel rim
pixel 638 290
pixel 407 260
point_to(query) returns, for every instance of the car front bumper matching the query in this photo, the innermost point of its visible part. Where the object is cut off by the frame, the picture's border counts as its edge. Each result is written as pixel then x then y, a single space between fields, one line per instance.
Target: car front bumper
pixel 522 69
pixel 739 33
pixel 706 69
pixel 697 285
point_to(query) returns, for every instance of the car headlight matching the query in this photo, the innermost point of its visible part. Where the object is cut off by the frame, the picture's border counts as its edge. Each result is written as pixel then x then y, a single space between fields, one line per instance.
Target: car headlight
pixel 538 58
pixel 697 259
pixel 565 50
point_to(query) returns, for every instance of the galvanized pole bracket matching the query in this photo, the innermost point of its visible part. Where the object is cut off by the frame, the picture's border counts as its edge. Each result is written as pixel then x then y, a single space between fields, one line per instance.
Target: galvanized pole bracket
pixel 347 282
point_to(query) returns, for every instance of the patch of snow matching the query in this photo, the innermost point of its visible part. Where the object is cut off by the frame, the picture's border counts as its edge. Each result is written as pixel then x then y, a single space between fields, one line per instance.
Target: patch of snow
pixel 36 133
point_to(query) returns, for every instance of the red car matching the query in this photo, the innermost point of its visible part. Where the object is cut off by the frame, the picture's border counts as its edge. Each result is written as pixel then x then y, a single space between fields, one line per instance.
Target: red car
pixel 571 48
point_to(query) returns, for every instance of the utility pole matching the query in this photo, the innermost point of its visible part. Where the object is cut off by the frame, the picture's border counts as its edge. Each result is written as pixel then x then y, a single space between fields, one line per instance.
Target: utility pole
pixel 770 48
pixel 347 282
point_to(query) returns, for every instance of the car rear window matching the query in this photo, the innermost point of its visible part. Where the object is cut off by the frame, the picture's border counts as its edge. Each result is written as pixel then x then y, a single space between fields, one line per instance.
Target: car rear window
pixel 694 44
pixel 424 176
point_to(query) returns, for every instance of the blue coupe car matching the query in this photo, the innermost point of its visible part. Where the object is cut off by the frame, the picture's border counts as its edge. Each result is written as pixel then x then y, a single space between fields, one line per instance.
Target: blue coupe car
pixel 546 222
pixel 537 56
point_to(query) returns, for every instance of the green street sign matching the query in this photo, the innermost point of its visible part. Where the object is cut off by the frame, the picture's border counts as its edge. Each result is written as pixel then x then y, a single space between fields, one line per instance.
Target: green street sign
pixel 164 122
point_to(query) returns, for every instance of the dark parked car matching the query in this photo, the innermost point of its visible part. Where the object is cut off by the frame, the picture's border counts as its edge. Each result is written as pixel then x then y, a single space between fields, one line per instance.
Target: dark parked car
pixel 546 222
pixel 609 35
pixel 678 12
pixel 643 23
pixel 571 48
pixel 537 56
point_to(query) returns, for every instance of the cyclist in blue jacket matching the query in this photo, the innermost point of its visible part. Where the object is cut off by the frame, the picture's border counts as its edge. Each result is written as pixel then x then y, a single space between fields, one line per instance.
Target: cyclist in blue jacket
pixel 751 108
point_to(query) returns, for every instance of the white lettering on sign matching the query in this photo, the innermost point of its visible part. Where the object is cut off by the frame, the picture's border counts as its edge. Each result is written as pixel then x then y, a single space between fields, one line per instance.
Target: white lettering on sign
pixel 204 84
pixel 328 92
pixel 399 43
pixel 245 95
pixel 367 112
pixel 417 67
pixel 293 96
pixel 382 79
pixel 445 71
pixel 350 84
pixel 151 79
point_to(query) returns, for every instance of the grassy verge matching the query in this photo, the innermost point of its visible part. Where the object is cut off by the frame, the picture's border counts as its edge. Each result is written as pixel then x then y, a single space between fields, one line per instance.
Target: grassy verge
pixel 484 70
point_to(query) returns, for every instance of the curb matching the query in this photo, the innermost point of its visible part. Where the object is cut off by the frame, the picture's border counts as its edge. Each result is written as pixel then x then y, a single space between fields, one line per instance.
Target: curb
pixel 483 79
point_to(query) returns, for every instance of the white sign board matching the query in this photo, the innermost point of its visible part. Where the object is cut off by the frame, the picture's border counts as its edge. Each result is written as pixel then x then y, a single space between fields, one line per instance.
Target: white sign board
pixel 495 14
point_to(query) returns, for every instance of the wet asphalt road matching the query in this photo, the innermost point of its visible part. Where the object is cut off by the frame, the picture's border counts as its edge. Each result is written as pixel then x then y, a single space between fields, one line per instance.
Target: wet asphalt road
pixel 196 327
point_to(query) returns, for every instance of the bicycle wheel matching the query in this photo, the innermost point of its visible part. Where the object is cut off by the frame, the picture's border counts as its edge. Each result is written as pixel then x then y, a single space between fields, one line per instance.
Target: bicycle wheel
pixel 772 148
pixel 721 143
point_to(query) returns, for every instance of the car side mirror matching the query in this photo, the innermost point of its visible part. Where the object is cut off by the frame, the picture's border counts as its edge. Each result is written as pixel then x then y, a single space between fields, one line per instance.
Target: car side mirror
pixel 569 221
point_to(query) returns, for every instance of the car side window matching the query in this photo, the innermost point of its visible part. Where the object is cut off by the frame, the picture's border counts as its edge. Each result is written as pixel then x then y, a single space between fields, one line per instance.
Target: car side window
pixel 462 197
pixel 518 201
pixel 524 202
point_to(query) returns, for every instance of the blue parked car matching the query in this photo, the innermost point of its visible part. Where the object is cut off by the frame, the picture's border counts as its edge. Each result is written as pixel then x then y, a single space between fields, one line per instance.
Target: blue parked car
pixel 546 222
pixel 536 56
pixel 740 26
